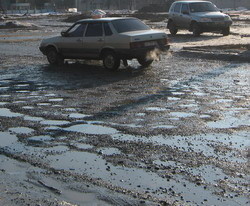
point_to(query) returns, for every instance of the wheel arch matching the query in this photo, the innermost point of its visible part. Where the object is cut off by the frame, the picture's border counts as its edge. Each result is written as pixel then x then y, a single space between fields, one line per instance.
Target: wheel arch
pixel 50 46
pixel 106 49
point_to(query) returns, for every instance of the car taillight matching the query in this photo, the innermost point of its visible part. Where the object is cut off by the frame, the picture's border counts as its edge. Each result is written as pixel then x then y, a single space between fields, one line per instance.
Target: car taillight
pixel 134 45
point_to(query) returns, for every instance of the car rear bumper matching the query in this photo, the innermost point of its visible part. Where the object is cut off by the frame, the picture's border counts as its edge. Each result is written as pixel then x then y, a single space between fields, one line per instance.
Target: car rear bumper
pixel 215 26
pixel 140 52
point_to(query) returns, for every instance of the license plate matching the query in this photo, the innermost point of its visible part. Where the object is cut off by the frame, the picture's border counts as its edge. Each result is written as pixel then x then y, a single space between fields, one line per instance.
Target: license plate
pixel 150 43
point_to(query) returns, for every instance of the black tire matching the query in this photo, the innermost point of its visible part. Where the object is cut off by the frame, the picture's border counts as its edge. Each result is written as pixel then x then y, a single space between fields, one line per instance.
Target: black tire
pixel 145 62
pixel 226 31
pixel 54 58
pixel 172 28
pixel 111 61
pixel 196 30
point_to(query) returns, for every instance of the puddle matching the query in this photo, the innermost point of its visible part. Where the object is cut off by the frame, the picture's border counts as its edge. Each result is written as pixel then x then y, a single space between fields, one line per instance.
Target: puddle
pixel 182 114
pixel 43 104
pixel 40 139
pixel 22 91
pixel 7 139
pixel 224 100
pixel 70 109
pixel 3 103
pixel 91 129
pixel 109 151
pixel 188 105
pixel 21 130
pixel 56 100
pixel 28 107
pixel 50 95
pixel 78 115
pixel 156 109
pixel 164 127
pixel 4 112
pixel 140 114
pixel 83 146
pixel 133 178
pixel 34 119
pixel 230 121
pixel 205 116
pixel 174 98
pixel 54 122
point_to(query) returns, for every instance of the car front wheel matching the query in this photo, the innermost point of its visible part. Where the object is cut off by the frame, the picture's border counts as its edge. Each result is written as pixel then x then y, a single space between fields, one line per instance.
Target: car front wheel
pixel 196 30
pixel 111 61
pixel 172 28
pixel 54 58
pixel 226 31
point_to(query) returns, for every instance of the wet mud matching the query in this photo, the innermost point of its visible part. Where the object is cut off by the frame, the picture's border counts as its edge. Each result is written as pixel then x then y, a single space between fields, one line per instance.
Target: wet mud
pixel 176 133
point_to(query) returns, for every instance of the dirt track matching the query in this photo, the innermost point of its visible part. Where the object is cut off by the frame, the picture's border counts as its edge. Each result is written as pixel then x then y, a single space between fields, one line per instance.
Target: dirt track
pixel 173 134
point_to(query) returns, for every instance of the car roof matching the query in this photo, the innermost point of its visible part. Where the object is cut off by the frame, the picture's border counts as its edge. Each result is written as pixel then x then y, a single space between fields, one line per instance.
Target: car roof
pixel 191 2
pixel 106 19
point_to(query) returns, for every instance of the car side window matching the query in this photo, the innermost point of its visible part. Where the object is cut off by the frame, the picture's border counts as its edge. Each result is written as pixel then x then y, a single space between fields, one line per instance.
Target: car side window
pixel 184 9
pixel 94 29
pixel 177 8
pixel 77 30
pixel 107 29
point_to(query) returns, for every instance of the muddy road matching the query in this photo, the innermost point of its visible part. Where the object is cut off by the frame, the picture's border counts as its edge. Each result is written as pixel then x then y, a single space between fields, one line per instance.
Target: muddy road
pixel 177 133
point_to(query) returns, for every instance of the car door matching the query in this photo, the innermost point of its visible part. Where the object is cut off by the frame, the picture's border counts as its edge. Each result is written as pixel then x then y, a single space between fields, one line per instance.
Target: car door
pixel 176 14
pixel 93 40
pixel 185 18
pixel 71 45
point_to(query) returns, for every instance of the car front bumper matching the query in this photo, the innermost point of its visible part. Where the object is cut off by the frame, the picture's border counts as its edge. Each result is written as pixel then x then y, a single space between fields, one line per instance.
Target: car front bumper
pixel 214 26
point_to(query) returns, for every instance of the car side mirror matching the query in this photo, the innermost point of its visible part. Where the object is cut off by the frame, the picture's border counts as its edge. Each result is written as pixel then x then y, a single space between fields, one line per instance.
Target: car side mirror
pixel 185 12
pixel 64 34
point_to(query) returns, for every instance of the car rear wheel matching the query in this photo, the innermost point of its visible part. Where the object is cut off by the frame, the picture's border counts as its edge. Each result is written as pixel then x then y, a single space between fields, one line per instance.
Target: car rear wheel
pixel 196 30
pixel 145 62
pixel 111 61
pixel 172 28
pixel 226 31
pixel 54 58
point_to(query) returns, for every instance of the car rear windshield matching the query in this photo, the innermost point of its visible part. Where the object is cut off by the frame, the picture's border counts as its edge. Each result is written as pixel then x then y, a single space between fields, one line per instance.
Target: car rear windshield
pixel 127 25
pixel 202 7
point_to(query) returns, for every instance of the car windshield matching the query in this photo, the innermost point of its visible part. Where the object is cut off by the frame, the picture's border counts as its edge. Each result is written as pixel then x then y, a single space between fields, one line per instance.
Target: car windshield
pixel 127 25
pixel 202 7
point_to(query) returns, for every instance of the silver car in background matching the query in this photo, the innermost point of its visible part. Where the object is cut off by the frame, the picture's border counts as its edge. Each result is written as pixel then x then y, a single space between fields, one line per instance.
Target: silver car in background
pixel 197 17
pixel 107 39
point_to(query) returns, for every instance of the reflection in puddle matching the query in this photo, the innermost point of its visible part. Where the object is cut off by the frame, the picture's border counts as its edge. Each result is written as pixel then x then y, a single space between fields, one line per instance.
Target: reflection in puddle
pixel 21 130
pixel 91 129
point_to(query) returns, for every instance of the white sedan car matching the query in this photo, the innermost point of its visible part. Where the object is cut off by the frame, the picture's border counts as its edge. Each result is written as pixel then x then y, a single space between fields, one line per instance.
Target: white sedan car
pixel 107 39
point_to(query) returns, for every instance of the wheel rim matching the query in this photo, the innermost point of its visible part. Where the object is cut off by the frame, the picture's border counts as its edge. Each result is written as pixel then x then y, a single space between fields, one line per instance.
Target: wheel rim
pixel 109 61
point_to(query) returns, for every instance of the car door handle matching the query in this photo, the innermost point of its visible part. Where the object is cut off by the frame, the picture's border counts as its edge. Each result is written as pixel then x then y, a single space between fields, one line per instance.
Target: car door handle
pixel 79 40
pixel 100 40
